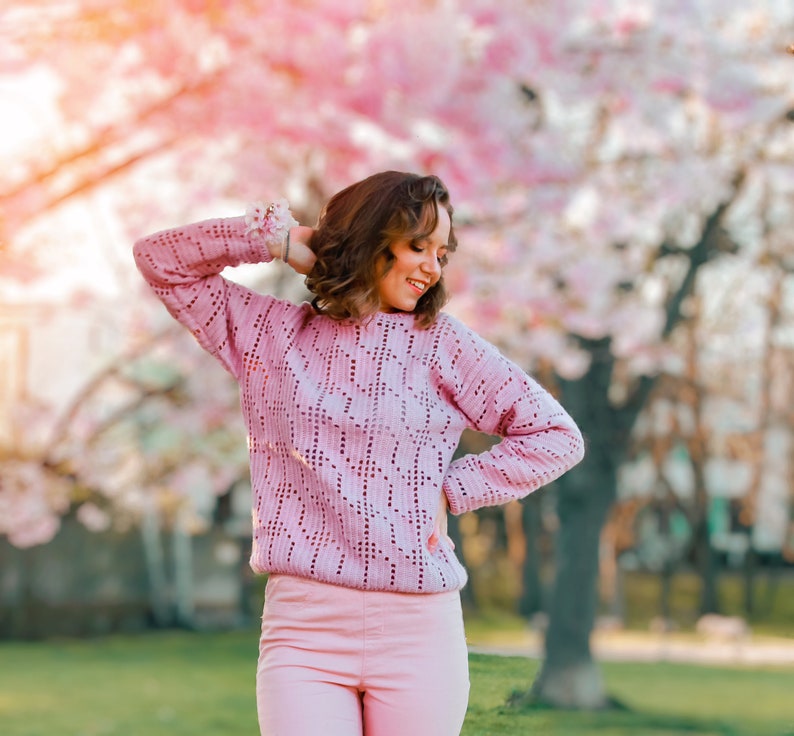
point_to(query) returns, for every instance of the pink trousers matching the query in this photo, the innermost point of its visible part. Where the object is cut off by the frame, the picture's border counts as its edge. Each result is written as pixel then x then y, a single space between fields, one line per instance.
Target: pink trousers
pixel 335 661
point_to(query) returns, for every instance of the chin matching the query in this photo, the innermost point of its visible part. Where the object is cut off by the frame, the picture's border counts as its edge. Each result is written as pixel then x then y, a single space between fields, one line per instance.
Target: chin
pixel 407 307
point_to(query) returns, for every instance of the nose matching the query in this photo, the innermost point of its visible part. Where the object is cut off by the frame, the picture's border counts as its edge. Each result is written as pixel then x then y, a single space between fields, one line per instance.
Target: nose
pixel 432 267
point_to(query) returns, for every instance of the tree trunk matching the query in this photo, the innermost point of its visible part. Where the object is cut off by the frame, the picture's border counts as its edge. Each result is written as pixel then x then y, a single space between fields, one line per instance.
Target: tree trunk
pixel 665 609
pixel 154 557
pixel 707 567
pixel 749 568
pixel 182 550
pixel 531 600
pixel 570 678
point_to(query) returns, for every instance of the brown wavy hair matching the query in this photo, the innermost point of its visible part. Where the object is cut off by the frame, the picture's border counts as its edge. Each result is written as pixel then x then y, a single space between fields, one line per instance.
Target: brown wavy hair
pixel 356 229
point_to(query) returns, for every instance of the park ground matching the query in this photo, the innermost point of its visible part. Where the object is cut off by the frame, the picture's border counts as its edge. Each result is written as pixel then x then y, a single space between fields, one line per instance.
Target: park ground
pixel 676 683
pixel 181 683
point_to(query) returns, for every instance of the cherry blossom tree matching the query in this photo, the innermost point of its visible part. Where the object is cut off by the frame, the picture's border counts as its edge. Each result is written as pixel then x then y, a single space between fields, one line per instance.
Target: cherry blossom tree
pixel 599 153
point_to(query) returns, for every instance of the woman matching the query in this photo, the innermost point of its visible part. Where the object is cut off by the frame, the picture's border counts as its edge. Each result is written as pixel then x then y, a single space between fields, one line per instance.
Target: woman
pixel 354 405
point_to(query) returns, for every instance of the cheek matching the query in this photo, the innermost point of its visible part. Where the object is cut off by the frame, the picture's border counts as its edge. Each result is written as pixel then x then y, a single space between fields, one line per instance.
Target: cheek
pixel 406 265
pixel 385 275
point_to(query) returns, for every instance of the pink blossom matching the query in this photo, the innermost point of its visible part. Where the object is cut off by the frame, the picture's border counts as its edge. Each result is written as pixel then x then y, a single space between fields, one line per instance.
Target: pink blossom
pixel 93 518
pixel 32 500
pixel 270 222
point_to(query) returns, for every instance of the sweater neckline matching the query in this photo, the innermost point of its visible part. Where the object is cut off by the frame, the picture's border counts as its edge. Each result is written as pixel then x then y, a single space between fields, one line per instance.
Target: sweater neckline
pixel 377 319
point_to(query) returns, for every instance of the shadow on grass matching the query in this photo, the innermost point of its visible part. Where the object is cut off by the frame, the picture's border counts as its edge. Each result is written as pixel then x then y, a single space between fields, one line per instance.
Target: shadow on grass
pixel 617 715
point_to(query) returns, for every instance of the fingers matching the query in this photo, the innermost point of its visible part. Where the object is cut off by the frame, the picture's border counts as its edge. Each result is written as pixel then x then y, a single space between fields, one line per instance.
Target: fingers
pixel 440 528
pixel 432 543
pixel 301 256
pixel 302 234
pixel 435 539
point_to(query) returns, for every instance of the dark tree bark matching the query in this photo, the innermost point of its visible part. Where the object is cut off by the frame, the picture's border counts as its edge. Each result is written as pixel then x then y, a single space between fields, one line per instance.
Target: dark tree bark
pixel 569 676
pixel 707 567
pixel 532 594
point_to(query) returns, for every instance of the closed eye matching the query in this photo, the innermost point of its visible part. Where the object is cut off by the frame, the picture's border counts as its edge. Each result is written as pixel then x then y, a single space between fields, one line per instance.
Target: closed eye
pixel 418 247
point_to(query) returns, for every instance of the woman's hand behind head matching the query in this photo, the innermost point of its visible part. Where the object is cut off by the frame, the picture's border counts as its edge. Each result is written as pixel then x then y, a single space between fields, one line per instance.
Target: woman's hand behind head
pixel 301 256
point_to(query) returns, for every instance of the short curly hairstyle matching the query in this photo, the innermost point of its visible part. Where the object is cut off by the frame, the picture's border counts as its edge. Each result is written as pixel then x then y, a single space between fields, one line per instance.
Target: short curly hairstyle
pixel 355 231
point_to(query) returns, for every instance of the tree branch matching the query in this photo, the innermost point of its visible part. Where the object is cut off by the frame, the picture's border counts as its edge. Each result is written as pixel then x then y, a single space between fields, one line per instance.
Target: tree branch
pixel 713 241
pixel 35 194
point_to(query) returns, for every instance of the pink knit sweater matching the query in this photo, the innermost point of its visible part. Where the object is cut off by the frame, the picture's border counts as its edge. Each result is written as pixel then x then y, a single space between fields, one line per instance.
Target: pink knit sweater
pixel 352 426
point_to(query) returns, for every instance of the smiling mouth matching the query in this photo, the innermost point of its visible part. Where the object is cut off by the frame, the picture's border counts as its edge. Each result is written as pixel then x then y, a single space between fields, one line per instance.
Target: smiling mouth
pixel 420 286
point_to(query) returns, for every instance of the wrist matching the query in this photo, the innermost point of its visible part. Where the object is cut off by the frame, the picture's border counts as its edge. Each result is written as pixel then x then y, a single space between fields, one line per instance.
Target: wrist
pixel 285 248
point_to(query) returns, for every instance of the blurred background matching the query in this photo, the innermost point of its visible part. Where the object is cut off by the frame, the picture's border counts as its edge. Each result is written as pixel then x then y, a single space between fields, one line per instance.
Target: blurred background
pixel 623 178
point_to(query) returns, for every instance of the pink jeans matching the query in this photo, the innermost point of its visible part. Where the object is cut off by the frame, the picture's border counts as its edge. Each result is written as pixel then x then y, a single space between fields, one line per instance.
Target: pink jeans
pixel 335 661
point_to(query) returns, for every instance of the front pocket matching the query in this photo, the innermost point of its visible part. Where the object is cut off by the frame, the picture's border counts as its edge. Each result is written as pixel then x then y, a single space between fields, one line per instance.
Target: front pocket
pixel 286 593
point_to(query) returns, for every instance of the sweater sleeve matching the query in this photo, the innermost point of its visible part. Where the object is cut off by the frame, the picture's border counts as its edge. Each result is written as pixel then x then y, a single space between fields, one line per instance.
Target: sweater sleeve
pixel 539 442
pixel 183 267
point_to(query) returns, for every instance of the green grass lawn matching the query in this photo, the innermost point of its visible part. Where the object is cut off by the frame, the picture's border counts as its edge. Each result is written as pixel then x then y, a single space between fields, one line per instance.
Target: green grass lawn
pixel 201 684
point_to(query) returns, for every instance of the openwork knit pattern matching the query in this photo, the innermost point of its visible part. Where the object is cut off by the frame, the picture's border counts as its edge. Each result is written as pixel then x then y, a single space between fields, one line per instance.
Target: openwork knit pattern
pixel 352 426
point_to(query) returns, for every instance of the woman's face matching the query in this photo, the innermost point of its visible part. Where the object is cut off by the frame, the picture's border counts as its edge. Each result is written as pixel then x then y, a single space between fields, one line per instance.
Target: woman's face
pixel 415 269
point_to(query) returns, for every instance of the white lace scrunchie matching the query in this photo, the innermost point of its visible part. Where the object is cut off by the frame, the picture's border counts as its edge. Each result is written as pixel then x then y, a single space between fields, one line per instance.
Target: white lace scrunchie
pixel 272 223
